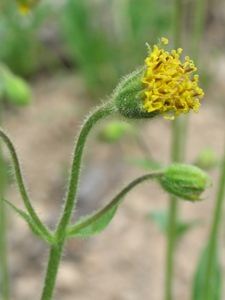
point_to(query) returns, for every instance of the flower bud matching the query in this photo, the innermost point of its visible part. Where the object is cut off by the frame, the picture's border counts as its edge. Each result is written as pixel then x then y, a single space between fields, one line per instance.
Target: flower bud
pixel 207 159
pixel 129 96
pixel 185 181
pixel 114 131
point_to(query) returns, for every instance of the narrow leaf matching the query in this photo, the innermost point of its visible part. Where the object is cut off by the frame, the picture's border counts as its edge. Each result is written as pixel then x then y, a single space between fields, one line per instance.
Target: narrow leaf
pixel 28 219
pixel 200 276
pixel 94 223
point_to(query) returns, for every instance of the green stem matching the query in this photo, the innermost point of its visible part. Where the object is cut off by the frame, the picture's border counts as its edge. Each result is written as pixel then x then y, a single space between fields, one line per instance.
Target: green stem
pixel 115 201
pixel 198 26
pixel 173 208
pixel 177 23
pixel 57 247
pixel 171 239
pixel 22 188
pixel 3 240
pixel 4 274
pixel 99 113
pixel 176 155
pixel 52 269
pixel 215 231
pixel 179 141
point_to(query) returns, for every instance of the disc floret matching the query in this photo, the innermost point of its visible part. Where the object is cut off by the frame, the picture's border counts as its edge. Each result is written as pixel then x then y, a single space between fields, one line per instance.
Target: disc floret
pixel 169 87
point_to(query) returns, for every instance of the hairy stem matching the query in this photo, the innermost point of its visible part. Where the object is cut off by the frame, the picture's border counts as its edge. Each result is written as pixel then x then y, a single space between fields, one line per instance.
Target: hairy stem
pixel 4 274
pixel 70 202
pixel 116 200
pixel 3 254
pixel 60 235
pixel 56 249
pixel 52 269
pixel 22 188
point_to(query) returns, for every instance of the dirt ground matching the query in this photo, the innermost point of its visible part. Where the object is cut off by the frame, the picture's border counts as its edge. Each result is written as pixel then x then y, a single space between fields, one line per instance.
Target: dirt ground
pixel 126 261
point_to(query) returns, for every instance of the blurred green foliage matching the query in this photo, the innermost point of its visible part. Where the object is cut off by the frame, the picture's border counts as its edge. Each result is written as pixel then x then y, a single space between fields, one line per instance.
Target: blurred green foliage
pixel 106 38
pixel 216 280
pixel 20 42
pixel 207 159
pixel 113 131
pixel 13 88
pixel 102 39
pixel 161 218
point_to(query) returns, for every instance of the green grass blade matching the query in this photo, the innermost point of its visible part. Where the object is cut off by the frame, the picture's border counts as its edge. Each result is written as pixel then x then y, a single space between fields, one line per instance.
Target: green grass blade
pixel 199 279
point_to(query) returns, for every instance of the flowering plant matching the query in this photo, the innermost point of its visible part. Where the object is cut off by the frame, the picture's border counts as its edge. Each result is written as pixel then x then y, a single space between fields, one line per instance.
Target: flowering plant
pixel 163 86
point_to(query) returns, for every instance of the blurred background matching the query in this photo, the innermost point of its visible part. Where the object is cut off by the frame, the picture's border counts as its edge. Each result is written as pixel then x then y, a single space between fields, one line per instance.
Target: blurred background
pixel 63 57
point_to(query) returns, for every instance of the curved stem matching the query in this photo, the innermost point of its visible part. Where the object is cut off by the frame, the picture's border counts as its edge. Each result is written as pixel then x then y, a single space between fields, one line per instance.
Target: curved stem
pixel 22 188
pixel 56 249
pixel 75 169
pixel 115 201
pixel 214 232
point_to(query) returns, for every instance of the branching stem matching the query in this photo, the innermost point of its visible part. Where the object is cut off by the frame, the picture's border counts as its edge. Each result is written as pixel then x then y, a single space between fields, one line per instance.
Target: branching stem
pixel 60 235
pixel 22 188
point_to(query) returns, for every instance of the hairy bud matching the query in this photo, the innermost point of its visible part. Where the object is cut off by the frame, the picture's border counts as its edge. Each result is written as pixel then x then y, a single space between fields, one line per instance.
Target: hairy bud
pixel 185 181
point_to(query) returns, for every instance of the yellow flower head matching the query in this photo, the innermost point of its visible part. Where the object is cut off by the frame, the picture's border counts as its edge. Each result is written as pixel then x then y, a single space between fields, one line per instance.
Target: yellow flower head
pixel 169 87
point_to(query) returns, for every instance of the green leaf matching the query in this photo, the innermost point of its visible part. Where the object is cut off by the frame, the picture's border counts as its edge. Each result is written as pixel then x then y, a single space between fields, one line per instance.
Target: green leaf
pixel 93 223
pixel 96 222
pixel 29 221
pixel 161 218
pixel 199 279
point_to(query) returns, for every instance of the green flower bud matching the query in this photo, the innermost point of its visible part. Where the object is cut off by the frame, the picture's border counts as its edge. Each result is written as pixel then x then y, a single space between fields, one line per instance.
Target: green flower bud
pixel 129 96
pixel 114 131
pixel 207 159
pixel 185 181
